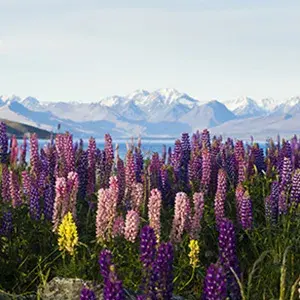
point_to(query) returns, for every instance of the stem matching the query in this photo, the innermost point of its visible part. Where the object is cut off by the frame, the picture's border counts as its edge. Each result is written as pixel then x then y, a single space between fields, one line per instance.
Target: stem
pixel 190 280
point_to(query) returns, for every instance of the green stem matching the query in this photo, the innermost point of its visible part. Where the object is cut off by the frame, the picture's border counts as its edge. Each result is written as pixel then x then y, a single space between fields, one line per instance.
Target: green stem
pixel 190 280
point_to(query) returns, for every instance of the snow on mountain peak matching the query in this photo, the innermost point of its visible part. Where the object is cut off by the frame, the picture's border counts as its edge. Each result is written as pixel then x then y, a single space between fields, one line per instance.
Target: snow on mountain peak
pixel 138 94
pixel 9 98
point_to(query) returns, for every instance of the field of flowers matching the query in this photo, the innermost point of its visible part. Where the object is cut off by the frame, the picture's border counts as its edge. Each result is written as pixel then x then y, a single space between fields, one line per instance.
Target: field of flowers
pixel 205 219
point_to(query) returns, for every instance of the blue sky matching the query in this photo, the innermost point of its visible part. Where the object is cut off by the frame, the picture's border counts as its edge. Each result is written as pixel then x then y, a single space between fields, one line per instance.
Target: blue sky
pixel 63 50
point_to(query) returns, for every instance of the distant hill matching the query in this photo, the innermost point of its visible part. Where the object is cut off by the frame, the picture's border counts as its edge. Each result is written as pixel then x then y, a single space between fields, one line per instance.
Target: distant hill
pixel 20 129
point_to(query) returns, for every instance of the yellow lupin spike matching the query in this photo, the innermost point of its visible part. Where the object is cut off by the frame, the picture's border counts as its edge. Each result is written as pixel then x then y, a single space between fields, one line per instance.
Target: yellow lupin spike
pixel 68 236
pixel 194 253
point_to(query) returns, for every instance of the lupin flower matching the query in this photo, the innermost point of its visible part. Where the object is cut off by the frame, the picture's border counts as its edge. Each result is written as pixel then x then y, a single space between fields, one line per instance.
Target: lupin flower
pixel 26 183
pixel 206 168
pixel 268 208
pixel 68 237
pixel 286 174
pixel 34 208
pixel 186 155
pixel 132 223
pixel 282 203
pixel 181 216
pixel 228 257
pixel 295 191
pixel 154 211
pixel 72 186
pixel 274 197
pixel 91 166
pixel 49 196
pixel 194 253
pixel 215 283
pixel 246 211
pixel 106 213
pixel 82 171
pixel 239 193
pixel 177 159
pixel 154 171
pixel 105 261
pixel 227 244
pixel 34 155
pixel 69 153
pixel 118 227
pixel 109 157
pixel 198 199
pixel 129 171
pixel 23 151
pixel 195 168
pixel 147 246
pixel 14 150
pixel 3 143
pixel 60 201
pixel 220 197
pixel 205 139
pixel 138 163
pixel 6 224
pixel 161 282
pixel 137 196
pixel 15 189
pixel 87 294
pixel 113 287
pixel 121 179
pixel 5 184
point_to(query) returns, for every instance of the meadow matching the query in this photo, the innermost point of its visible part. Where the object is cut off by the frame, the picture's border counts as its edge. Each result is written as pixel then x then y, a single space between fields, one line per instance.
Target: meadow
pixel 205 219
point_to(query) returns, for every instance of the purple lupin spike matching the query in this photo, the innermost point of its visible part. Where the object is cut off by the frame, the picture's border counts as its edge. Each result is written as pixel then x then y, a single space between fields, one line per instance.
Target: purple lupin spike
pixel 87 294
pixel 3 143
pixel 6 224
pixel 220 197
pixel 206 168
pixel 91 166
pixel 34 156
pixel 286 174
pixel 109 158
pixel 228 257
pixel 121 179
pixel 49 197
pixel 154 171
pixel 205 139
pixel 5 184
pixel 82 171
pixel 69 153
pixel 246 212
pixel 177 159
pixel 23 151
pixel 15 189
pixel 147 255
pixel 34 207
pixel 138 164
pixel 215 285
pixel 295 190
pixel 161 282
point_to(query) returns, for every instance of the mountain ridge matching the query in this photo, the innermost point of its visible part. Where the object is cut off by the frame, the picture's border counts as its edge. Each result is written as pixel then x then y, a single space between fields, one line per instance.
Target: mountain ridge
pixel 143 113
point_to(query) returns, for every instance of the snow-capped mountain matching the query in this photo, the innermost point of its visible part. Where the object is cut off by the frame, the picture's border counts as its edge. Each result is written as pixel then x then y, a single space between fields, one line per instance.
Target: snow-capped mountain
pixel 245 107
pixel 164 112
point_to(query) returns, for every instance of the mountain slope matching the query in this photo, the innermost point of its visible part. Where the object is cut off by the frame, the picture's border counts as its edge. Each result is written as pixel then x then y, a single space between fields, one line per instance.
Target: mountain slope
pixel 20 129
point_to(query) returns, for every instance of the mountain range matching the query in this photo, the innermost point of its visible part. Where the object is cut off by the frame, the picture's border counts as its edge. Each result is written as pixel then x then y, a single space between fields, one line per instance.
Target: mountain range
pixel 162 113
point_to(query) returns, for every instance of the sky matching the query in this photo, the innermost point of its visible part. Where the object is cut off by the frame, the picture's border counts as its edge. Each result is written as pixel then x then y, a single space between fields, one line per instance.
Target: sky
pixel 62 50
